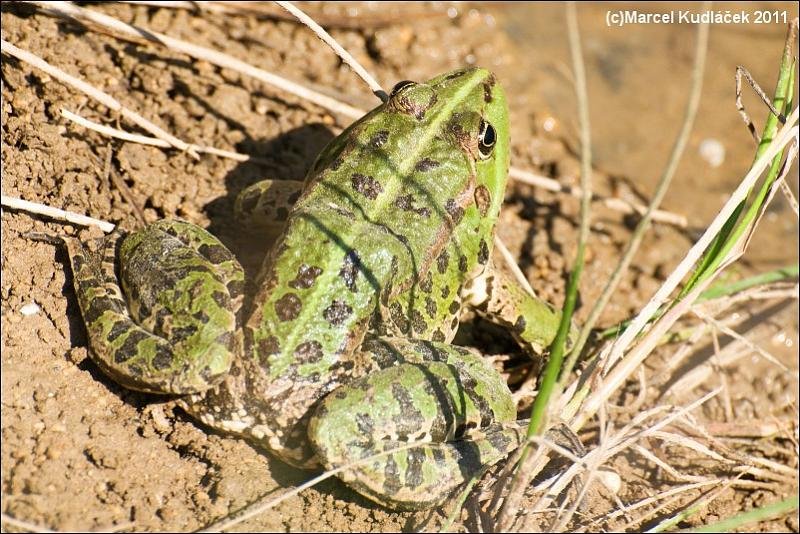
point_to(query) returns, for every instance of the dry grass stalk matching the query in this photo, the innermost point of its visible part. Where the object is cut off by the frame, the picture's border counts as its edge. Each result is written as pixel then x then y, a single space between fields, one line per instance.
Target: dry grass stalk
pixel 153 141
pixel 55 213
pixel 102 97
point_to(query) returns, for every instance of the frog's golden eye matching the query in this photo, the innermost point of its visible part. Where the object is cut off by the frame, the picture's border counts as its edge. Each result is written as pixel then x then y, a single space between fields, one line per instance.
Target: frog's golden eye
pixel 486 139
pixel 399 86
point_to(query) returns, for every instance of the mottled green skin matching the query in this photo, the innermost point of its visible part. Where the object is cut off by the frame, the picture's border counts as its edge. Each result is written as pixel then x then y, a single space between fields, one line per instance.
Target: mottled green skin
pixel 345 348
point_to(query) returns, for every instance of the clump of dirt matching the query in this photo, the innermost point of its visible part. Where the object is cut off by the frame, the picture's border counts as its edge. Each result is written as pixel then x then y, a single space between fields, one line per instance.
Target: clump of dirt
pixel 81 453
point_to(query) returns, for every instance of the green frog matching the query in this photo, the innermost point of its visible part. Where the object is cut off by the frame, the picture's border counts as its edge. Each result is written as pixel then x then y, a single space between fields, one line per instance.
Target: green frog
pixel 344 353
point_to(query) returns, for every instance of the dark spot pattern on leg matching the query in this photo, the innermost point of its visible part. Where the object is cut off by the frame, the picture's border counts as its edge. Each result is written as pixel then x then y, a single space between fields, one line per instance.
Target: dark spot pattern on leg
pixel 413 475
pixel 454 307
pixel 215 253
pixel 430 307
pixel 438 336
pixel 462 264
pixel 445 291
pixel 308 352
pixel 130 347
pixel 418 321
pixel 288 307
pixel 519 325
pixel 398 317
pixel 119 328
pixel 222 299
pixel 442 262
pixel 305 277
pixel 163 359
pixel 426 164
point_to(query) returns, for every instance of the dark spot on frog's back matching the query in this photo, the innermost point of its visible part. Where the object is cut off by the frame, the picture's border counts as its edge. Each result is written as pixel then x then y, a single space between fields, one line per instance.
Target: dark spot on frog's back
pixel 366 185
pixel 430 307
pixel 306 274
pixel 288 307
pixel 442 262
pixel 309 351
pixel 427 283
pixel 462 264
pixel 519 325
pixel 426 164
pixel 483 199
pixel 483 252
pixel 349 271
pixel 379 139
pixel 454 210
pixel 337 313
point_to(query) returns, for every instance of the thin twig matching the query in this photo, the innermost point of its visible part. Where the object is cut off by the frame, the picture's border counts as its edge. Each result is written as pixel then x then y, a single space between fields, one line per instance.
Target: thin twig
pixel 199 52
pixel 519 276
pixel 340 51
pixel 736 335
pixel 542 409
pixel 153 141
pixel 102 97
pixel 783 138
pixel 55 213
pixel 616 204
pixel 664 181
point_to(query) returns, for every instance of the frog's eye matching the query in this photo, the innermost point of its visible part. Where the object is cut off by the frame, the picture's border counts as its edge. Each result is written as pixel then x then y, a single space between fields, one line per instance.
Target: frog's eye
pixel 486 139
pixel 399 86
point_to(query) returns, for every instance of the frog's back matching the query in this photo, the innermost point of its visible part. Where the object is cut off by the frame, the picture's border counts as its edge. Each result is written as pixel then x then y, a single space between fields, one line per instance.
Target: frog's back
pixel 397 197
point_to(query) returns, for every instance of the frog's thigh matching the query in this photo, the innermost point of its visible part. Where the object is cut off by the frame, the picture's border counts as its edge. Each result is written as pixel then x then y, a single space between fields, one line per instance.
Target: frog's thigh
pixel 502 300
pixel 449 400
pixel 150 348
pixel 264 205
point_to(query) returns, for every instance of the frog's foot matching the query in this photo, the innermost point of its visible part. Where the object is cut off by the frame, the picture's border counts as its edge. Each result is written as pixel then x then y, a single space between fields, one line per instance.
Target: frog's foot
pixel 174 330
pixel 264 206
pixel 505 302
pixel 444 411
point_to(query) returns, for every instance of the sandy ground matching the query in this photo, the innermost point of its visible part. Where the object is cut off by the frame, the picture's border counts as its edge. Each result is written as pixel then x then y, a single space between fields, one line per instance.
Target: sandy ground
pixel 80 452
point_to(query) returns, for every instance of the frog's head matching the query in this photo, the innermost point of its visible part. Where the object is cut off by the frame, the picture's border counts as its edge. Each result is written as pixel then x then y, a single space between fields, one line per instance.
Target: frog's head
pixel 467 108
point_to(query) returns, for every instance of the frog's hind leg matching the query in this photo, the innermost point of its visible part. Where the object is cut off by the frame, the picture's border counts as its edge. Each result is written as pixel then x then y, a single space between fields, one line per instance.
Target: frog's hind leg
pixel 445 412
pixel 264 206
pixel 179 335
pixel 503 301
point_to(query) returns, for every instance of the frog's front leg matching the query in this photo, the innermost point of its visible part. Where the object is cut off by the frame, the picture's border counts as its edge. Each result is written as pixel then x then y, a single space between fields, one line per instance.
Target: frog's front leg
pixel 264 206
pixel 503 301
pixel 447 401
pixel 174 328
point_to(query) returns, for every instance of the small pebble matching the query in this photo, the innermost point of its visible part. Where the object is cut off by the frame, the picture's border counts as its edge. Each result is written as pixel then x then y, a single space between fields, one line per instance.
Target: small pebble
pixel 30 308
pixel 713 152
